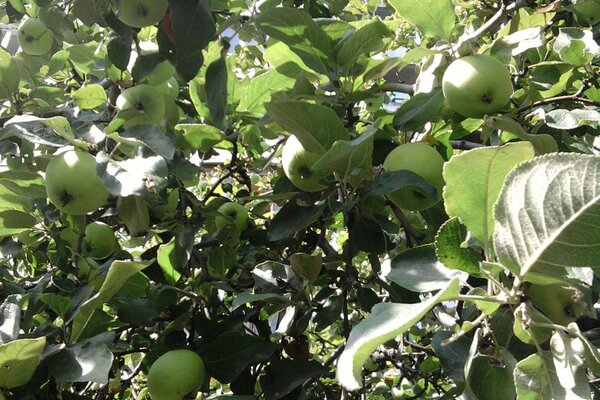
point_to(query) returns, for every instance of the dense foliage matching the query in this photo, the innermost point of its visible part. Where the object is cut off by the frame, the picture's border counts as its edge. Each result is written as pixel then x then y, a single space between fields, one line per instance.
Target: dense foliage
pixel 144 207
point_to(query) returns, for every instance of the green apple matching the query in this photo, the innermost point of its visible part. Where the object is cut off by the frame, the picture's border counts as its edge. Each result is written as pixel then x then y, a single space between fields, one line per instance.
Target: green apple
pixel 561 303
pixel 99 241
pixel 231 215
pixel 141 104
pixel 72 184
pixel 140 13
pixel 476 85
pixel 34 37
pixel 424 161
pixel 175 374
pixel 590 9
pixel 297 165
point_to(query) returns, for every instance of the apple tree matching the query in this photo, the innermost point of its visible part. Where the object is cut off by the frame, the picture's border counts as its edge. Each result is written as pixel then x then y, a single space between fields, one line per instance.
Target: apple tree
pixel 333 199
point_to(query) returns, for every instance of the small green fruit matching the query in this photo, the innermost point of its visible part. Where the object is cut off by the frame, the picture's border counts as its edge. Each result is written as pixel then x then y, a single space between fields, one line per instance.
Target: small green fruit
pixel 141 104
pixel 175 374
pixel 424 161
pixel 476 85
pixel 99 241
pixel 231 215
pixel 140 13
pixel 34 37
pixel 562 304
pixel 297 165
pixel 72 184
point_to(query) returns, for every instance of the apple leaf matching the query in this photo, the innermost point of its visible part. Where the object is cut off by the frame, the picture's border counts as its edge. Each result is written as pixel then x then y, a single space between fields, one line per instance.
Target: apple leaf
pixel 10 75
pixel 90 96
pixel 292 217
pixel 13 222
pixel 133 211
pixel 298 30
pixel 10 318
pixel 367 39
pixel 418 110
pixel 388 182
pixel 168 258
pixel 491 378
pixel 198 136
pixel 511 129
pixel 118 50
pixel 232 352
pixel 152 137
pixel 134 176
pixel 570 119
pixel 450 251
pixel 345 156
pixel 216 89
pixel 118 273
pixel 485 170
pixel 548 214
pixel 569 365
pixel 536 378
pixel 54 132
pixel 19 360
pixel 316 126
pixel 25 183
pixel 576 46
pixel 419 270
pixel 88 360
pixel 193 28
pixel 386 321
pixel 434 18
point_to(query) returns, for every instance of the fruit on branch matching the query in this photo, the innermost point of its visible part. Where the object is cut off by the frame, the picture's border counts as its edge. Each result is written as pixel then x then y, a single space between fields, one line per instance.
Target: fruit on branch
pixel 423 160
pixel 34 37
pixel 476 85
pixel 140 13
pixel 232 215
pixel 297 164
pixel 141 104
pixel 72 184
pixel 175 374
pixel 99 241
pixel 561 303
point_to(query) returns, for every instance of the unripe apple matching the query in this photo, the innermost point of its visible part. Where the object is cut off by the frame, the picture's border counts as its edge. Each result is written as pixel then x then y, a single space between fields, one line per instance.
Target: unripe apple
pixel 72 184
pixel 99 241
pixel 297 164
pixel 424 161
pixel 141 104
pixel 175 374
pixel 476 85
pixel 233 215
pixel 140 13
pixel 562 304
pixel 34 37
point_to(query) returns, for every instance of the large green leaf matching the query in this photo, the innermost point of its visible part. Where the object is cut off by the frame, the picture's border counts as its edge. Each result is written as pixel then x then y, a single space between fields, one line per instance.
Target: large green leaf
pixel 118 273
pixel 317 127
pixel 473 181
pixel 386 321
pixel 88 360
pixel 434 18
pixel 18 361
pixel 9 75
pixel 548 214
pixel 419 270
pixel 367 39
pixel 345 156
pixel 230 353
pixel 297 29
